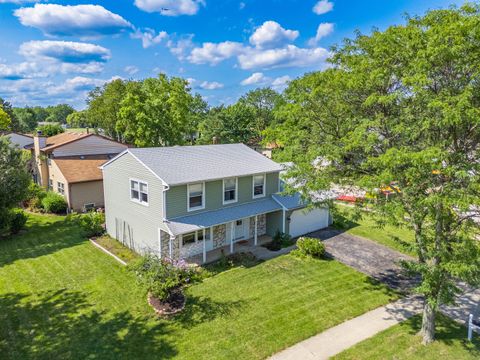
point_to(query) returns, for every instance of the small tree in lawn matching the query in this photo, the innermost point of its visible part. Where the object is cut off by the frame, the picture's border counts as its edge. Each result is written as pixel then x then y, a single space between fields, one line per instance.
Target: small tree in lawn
pixel 14 181
pixel 401 108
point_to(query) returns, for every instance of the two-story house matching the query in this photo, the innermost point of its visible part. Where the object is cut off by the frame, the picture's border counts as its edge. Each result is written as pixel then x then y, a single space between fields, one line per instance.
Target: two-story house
pixel 183 201
pixel 69 164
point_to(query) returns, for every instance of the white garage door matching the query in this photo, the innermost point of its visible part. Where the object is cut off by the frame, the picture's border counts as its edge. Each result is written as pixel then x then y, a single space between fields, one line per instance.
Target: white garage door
pixel 305 221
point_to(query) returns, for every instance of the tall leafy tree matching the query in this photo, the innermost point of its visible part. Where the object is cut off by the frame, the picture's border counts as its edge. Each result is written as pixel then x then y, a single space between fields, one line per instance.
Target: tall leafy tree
pixel 59 113
pixel 5 121
pixel 231 124
pixel 7 107
pixel 104 105
pixel 26 118
pixel 78 119
pixel 156 112
pixel 401 108
pixel 14 179
pixel 263 102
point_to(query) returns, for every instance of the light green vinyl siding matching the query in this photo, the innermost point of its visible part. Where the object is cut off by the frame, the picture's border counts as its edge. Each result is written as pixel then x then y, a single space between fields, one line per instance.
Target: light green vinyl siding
pixel 274 222
pixel 126 220
pixel 177 195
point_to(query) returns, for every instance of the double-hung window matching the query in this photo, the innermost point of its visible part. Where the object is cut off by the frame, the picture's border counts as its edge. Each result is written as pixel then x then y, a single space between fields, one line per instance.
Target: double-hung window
pixel 196 198
pixel 139 191
pixel 229 190
pixel 258 186
pixel 61 188
pixel 195 237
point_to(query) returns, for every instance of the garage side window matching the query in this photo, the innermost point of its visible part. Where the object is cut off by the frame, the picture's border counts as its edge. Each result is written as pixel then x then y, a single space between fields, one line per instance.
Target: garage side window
pixel 139 191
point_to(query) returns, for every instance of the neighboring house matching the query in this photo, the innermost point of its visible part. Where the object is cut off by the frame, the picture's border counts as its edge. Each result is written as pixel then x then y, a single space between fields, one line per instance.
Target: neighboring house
pixel 183 201
pixel 69 164
pixel 19 140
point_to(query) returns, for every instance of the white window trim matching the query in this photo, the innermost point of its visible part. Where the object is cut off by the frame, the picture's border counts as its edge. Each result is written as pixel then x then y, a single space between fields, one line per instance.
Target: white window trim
pixel 236 192
pixel 85 206
pixel 189 209
pixel 264 186
pixel 197 232
pixel 62 188
pixel 138 201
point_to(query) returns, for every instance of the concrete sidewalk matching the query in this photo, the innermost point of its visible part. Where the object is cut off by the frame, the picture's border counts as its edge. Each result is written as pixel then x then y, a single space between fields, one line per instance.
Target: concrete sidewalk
pixel 351 332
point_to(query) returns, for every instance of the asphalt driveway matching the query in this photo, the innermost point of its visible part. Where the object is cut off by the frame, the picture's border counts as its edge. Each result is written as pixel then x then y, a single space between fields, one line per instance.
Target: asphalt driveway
pixel 369 257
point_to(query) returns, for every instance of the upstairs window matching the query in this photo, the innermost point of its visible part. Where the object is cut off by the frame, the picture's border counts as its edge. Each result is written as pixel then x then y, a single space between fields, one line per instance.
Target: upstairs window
pixel 229 190
pixel 61 188
pixel 139 191
pixel 196 199
pixel 258 186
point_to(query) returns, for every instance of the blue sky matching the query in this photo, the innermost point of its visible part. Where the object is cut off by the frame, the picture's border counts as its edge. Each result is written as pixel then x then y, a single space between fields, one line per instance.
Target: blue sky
pixel 55 51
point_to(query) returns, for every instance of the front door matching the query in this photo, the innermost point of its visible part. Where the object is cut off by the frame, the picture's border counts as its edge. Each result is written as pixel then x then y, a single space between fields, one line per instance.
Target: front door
pixel 239 229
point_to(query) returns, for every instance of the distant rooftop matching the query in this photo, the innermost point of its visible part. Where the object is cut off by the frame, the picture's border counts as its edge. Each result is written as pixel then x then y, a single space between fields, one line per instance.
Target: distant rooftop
pixel 186 164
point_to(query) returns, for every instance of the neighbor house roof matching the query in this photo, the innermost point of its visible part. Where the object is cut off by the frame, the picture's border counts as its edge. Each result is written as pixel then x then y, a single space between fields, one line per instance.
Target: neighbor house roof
pixel 76 170
pixel 187 164
pixel 62 139
pixel 182 225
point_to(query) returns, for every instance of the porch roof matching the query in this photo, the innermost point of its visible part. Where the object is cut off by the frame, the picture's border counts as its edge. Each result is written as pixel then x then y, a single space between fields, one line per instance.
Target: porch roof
pixel 185 224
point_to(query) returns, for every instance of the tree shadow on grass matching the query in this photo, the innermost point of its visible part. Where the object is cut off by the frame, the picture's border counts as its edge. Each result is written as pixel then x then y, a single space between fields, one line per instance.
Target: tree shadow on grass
pixel 372 284
pixel 199 310
pixel 447 331
pixel 39 239
pixel 64 325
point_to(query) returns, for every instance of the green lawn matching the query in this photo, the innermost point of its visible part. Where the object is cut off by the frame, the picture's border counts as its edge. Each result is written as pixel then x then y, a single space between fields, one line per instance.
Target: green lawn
pixel 61 297
pixel 391 236
pixel 401 342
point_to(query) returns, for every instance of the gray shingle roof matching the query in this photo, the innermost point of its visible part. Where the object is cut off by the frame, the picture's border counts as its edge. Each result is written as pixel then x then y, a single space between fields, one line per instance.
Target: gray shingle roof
pixel 206 219
pixel 186 164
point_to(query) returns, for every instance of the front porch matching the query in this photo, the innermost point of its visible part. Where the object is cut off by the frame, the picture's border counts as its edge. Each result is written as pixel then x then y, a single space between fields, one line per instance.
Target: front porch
pixel 240 246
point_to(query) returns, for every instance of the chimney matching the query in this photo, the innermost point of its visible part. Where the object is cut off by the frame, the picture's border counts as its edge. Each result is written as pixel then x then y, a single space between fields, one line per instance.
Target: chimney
pixel 39 140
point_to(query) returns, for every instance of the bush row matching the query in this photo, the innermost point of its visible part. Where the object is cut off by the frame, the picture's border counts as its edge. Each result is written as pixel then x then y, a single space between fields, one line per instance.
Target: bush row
pixel 45 201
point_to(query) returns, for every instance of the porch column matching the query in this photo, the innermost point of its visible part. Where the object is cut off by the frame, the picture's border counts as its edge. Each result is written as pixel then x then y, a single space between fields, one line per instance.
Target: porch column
pixel 204 248
pixel 283 223
pixel 255 236
pixel 232 235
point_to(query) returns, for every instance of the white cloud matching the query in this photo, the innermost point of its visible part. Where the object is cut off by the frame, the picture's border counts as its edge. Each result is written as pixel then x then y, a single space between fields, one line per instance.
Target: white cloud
pixel 211 53
pixel 211 85
pixel 255 79
pixel 170 7
pixel 20 71
pixel 65 51
pixel 181 47
pixel 324 29
pixel 149 37
pixel 78 83
pixel 72 20
pixel 131 69
pixel 289 56
pixel 271 35
pixel 323 7
pixel 281 82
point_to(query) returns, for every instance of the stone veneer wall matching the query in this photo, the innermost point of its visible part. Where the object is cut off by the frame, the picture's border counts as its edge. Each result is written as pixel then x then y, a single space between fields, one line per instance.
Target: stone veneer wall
pixel 219 236
pixel 261 225
pixel 166 247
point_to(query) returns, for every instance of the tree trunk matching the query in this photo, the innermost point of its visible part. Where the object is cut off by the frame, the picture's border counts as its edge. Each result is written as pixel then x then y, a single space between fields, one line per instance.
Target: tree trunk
pixel 428 324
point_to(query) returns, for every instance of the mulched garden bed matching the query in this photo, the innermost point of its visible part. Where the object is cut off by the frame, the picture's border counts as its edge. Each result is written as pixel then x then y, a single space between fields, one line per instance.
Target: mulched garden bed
pixel 173 305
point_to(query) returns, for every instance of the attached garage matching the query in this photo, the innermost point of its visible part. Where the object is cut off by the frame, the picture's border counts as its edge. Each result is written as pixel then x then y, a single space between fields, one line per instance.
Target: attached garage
pixel 304 221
